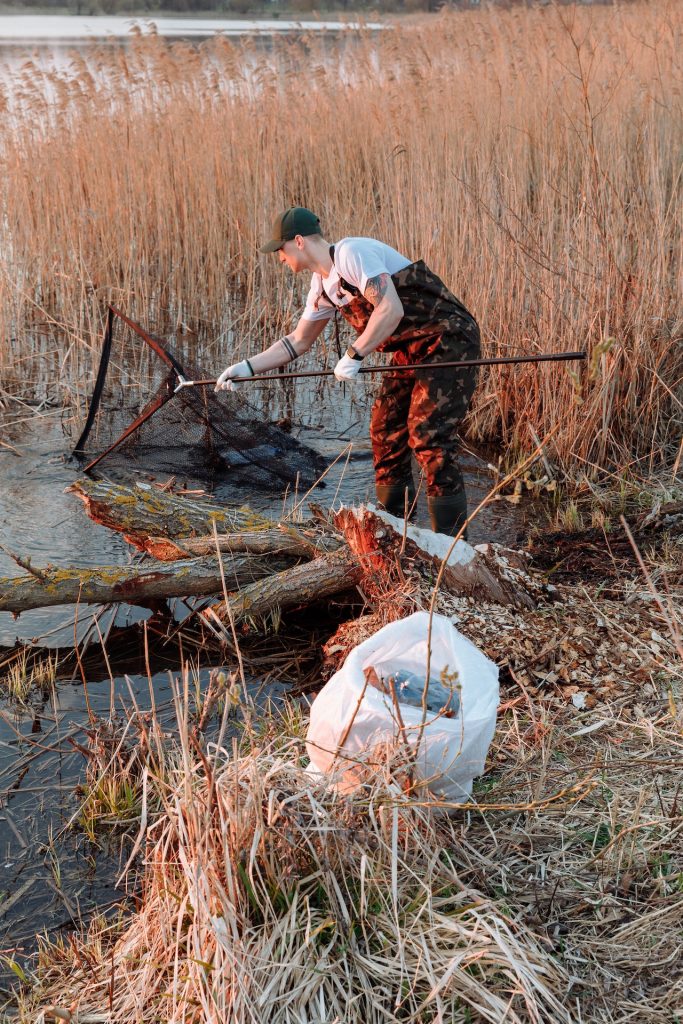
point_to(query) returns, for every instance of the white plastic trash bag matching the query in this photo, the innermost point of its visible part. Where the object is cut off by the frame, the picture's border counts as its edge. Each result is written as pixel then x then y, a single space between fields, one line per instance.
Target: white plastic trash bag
pixel 356 711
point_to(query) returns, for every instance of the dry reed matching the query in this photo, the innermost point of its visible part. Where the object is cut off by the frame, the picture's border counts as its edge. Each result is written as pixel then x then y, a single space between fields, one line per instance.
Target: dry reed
pixel 266 897
pixel 556 897
pixel 530 156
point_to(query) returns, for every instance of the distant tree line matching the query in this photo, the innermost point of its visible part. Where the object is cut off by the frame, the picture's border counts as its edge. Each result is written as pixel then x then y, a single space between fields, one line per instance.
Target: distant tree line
pixel 268 8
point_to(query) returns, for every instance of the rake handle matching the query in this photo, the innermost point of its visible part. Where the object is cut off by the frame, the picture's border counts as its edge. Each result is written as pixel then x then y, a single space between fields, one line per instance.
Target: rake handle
pixel 391 368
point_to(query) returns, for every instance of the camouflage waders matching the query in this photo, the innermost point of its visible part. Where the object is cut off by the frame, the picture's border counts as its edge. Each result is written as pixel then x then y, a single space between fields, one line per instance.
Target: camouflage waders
pixel 421 411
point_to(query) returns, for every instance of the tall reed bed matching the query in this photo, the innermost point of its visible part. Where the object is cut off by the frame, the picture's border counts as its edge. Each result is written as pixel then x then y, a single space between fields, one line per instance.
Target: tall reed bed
pixel 531 156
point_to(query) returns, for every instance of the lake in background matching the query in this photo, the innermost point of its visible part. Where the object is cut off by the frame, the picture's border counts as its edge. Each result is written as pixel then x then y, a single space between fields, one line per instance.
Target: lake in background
pixel 16 29
pixel 50 36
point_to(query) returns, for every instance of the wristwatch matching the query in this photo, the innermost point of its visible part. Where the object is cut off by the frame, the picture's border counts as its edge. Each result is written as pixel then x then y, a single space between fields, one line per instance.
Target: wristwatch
pixel 353 354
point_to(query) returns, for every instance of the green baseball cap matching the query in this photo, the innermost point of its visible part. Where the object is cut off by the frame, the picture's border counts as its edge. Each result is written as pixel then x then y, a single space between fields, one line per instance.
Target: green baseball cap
pixel 297 220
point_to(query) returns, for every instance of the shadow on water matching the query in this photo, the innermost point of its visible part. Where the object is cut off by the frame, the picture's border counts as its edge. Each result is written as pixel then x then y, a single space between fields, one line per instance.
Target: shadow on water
pixel 52 876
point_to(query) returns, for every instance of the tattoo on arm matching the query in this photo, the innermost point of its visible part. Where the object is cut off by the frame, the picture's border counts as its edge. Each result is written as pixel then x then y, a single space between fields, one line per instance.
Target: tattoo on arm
pixel 376 288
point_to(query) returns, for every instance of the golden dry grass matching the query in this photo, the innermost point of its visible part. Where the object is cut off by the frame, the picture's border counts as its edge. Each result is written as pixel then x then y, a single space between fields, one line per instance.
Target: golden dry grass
pixel 557 896
pixel 531 156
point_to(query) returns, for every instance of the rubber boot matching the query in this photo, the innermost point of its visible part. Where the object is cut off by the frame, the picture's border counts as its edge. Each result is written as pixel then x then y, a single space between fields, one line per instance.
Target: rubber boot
pixel 447 513
pixel 392 498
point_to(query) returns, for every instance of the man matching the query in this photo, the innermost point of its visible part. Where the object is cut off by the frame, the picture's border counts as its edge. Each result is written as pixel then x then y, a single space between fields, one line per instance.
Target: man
pixel 399 307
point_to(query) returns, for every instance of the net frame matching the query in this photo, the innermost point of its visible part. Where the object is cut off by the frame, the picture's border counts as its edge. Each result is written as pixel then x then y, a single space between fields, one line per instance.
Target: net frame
pixel 198 407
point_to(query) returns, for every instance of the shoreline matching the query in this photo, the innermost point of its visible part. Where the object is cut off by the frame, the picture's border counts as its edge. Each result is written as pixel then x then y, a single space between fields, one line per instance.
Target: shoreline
pixel 258 13
pixel 52 29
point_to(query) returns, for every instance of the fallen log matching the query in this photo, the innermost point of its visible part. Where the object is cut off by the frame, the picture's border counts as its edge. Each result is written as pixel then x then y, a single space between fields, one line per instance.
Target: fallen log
pixel 378 553
pixel 45 586
pixel 143 511
pixel 292 588
pixel 281 540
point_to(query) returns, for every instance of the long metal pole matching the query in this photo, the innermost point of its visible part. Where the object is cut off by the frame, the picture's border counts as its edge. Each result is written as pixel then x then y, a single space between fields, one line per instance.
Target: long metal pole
pixel 391 368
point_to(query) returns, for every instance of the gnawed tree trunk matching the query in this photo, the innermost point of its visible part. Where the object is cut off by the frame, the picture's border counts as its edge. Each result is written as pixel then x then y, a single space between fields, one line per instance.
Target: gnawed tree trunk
pixel 386 550
pixel 169 527
pixel 47 586
pixel 293 588
pixel 264 577
pixel 392 562
pixel 142 512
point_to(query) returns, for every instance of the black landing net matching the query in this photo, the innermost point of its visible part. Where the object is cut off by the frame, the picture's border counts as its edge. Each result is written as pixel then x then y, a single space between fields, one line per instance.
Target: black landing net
pixel 194 433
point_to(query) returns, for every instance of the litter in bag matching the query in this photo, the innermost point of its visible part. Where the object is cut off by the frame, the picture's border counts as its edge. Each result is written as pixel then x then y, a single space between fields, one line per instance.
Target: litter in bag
pixel 409 688
pixel 374 704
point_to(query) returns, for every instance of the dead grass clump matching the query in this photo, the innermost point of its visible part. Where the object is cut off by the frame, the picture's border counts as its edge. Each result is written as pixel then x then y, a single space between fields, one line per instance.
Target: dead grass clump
pixel 265 897
pixel 116 793
pixel 24 671
pixel 601 879
pixel 556 895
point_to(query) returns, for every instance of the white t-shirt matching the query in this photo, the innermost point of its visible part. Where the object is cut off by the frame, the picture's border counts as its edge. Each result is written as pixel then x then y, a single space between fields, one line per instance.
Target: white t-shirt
pixel 356 260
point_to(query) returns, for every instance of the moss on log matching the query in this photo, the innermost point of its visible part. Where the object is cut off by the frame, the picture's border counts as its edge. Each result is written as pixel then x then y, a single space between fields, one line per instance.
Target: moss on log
pixel 135 585
pixel 141 512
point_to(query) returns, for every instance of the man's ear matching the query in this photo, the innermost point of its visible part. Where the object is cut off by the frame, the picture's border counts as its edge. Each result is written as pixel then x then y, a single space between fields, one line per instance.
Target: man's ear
pixel 299 240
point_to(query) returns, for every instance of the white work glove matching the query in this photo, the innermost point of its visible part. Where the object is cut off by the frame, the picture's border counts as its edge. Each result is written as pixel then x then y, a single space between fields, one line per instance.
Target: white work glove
pixel 225 381
pixel 347 368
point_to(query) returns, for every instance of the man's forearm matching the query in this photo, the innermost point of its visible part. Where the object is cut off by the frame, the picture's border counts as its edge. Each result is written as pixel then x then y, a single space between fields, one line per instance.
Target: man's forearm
pixel 280 352
pixel 380 326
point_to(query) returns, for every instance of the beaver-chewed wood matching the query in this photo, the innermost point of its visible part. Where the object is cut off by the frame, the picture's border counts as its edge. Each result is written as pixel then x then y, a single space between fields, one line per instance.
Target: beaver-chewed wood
pixel 265 565
pixel 384 547
pixel 142 512
pixel 293 588
pixel 170 527
pixel 48 585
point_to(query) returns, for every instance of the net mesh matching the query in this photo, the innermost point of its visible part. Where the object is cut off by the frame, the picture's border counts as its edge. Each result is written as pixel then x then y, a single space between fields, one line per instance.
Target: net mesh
pixel 194 433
